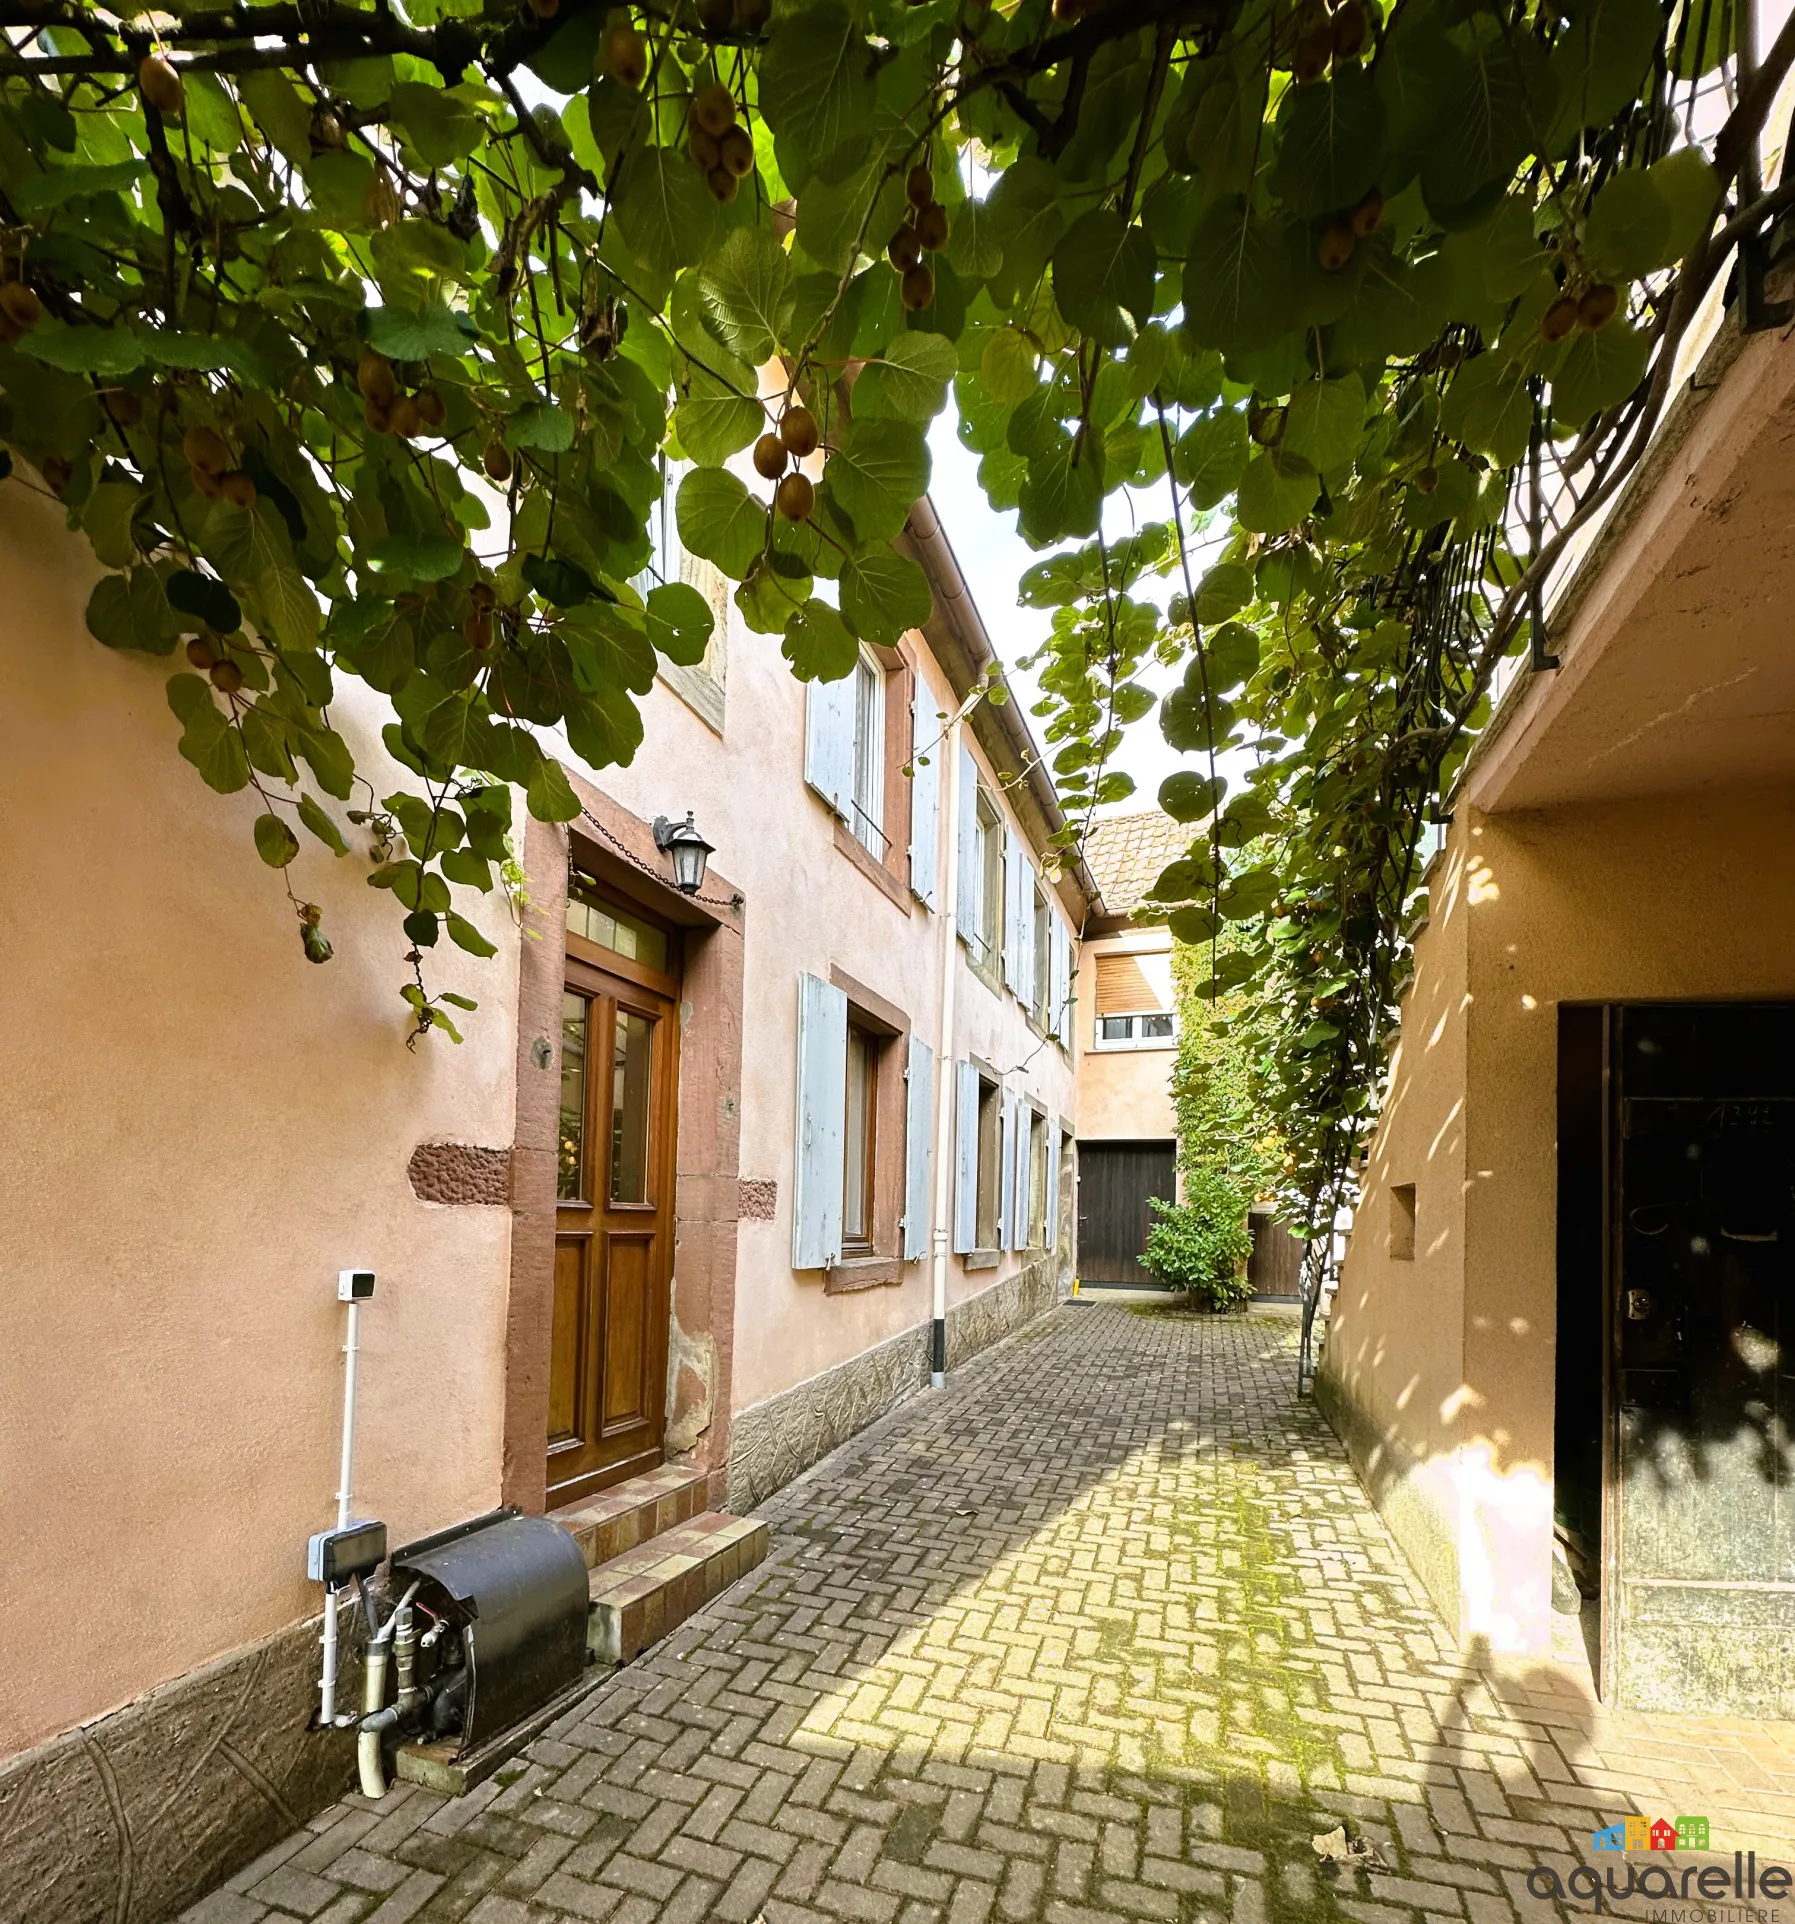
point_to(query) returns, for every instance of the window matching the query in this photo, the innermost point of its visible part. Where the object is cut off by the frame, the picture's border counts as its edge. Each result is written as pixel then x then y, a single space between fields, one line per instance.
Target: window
pixel 1402 1222
pixel 859 1135
pixel 990 1155
pixel 1038 1173
pixel 570 1185
pixel 991 879
pixel 592 917
pixel 699 687
pixel 1136 1031
pixel 1134 1000
pixel 866 804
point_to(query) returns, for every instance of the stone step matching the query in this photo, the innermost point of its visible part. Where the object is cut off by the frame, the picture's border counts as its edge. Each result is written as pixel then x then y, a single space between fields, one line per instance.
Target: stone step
pixel 640 1596
pixel 623 1518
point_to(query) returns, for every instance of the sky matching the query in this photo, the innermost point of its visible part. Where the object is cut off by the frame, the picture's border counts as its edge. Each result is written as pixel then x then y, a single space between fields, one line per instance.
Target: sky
pixel 992 557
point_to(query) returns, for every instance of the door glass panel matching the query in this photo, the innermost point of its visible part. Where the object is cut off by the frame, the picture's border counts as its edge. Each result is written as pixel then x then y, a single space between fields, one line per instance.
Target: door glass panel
pixel 576 1021
pixel 632 1065
pixel 591 916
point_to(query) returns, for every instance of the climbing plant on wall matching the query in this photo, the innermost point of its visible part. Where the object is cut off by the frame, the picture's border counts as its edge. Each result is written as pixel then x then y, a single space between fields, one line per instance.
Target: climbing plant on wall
pixel 357 340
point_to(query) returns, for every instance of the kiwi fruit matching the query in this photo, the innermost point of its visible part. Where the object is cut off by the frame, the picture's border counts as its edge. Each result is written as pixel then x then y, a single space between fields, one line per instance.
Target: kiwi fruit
pixel 798 430
pixel 769 457
pixel 795 497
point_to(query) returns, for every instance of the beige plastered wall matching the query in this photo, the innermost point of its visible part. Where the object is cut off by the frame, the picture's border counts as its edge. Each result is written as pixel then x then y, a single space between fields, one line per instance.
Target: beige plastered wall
pixel 1446 1363
pixel 1123 1094
pixel 199 1128
pixel 810 908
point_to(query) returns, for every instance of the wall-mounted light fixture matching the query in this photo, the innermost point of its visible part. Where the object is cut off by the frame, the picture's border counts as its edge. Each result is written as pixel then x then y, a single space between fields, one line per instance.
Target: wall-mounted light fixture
pixel 689 850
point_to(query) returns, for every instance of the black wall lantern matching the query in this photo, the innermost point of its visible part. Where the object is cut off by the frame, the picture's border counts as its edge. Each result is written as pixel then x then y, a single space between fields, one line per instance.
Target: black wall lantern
pixel 689 850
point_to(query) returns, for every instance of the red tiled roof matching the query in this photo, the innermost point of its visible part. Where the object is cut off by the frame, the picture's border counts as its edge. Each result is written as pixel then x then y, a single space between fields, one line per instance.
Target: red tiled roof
pixel 1125 854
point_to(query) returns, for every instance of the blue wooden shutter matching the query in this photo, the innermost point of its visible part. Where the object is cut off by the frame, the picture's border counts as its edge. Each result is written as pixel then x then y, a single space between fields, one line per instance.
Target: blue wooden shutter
pixel 1021 1143
pixel 822 1114
pixel 1006 1173
pixel 919 1146
pixel 925 795
pixel 1014 861
pixel 1053 1180
pixel 1025 933
pixel 970 892
pixel 829 741
pixel 966 1157
pixel 1059 975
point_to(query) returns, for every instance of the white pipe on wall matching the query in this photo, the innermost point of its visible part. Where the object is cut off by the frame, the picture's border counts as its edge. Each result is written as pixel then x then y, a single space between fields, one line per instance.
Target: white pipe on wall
pixel 327 1691
pixel 944 1056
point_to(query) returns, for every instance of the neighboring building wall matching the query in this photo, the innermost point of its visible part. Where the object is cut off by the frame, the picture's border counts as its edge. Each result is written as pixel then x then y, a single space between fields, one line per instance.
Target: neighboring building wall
pixel 1123 1093
pixel 1440 1371
pixel 199 1129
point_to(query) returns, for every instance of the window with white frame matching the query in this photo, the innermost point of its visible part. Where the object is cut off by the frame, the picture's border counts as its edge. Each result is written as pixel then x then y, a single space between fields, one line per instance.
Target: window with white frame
pixel 1134 1000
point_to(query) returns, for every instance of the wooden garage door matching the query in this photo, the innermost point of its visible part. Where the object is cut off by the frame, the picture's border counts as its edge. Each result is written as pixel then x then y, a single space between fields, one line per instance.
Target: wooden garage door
pixel 1115 1182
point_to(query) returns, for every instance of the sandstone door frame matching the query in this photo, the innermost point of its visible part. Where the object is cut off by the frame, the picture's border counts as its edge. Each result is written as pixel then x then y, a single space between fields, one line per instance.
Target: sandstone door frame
pixel 617 848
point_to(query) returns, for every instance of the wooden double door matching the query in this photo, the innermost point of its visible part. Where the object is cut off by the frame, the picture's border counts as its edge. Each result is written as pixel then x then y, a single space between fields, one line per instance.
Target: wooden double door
pixel 1116 1184
pixel 614 1222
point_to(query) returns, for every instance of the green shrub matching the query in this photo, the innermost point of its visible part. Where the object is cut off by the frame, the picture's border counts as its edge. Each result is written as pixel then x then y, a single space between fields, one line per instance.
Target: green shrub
pixel 1201 1245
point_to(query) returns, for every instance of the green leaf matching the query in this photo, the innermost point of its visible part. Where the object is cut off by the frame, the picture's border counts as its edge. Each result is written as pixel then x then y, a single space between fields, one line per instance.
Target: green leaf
pixel 1489 409
pixel 1212 455
pixel 465 936
pixel 205 598
pixel 455 733
pixel 680 623
pixel 1102 269
pixel 909 383
pixel 714 421
pixel 417 557
pixel 1330 143
pixel 1599 59
pixel 208 740
pixel 883 594
pixel 251 547
pixel 1027 218
pixel 275 106
pixel 549 795
pixel 440 127
pixel 720 521
pixel 1276 492
pixel 878 475
pixel 540 425
pixel 664 209
pixel 1598 371
pixel 1190 797
pixel 1007 366
pixel 1628 228
pixel 106 521
pixel 211 114
pixel 131 611
pixel 1195 926
pixel 1495 89
pixel 276 843
pixel 1690 188
pixel 321 825
pixel 1240 279
pixel 818 644
pixel 816 91
pixel 83 350
pixel 745 291
pixel 1061 495
pixel 1326 421
pixel 1249 894
pixel 405 334
pixel 1233 655
pixel 40 192
pixel 1223 591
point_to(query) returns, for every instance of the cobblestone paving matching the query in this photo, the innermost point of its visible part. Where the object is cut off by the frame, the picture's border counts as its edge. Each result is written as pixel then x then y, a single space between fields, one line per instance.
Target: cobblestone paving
pixel 1105 1631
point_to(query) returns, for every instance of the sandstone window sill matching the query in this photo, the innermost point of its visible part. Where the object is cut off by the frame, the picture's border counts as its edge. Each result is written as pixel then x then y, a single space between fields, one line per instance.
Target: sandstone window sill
pixel 862 1272
pixel 981 1258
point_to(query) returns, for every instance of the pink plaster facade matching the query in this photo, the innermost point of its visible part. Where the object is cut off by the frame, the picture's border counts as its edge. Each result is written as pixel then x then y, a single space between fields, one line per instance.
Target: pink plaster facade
pixel 1625 834
pixel 201 1128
